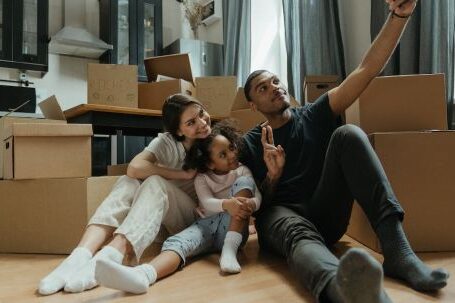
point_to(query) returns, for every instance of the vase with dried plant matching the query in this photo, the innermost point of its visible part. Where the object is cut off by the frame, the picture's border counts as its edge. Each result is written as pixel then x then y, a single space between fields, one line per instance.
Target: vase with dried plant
pixel 193 13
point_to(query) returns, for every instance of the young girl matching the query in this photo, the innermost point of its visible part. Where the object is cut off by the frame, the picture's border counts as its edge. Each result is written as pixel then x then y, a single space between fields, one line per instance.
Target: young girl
pixel 227 195
pixel 133 212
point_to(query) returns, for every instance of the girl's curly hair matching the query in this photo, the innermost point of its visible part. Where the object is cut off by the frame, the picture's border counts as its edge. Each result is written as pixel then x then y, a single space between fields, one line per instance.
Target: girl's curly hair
pixel 198 157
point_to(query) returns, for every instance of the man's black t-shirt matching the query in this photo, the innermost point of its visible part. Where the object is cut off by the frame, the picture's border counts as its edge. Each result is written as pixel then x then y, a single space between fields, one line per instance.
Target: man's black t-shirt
pixel 304 138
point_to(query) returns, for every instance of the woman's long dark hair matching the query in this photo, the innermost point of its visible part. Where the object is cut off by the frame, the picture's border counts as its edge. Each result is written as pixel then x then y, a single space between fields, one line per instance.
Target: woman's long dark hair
pixel 198 157
pixel 173 108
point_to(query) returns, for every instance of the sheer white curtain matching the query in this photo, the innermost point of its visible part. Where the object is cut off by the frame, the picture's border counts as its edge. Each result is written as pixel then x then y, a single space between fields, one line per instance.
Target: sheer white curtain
pixel 268 47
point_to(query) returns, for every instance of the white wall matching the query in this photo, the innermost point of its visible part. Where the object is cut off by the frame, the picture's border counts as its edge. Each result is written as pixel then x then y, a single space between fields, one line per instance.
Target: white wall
pixel 67 76
pixel 355 30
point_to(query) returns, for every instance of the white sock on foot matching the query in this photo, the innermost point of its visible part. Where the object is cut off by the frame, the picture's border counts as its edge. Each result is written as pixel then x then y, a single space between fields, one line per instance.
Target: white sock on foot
pixel 56 280
pixel 84 278
pixel 135 280
pixel 228 260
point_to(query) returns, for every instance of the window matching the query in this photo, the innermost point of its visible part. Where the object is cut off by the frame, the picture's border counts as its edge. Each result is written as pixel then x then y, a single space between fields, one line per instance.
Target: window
pixel 268 47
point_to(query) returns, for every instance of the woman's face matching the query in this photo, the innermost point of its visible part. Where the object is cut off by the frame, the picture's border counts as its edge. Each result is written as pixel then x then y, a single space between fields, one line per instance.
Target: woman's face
pixel 223 155
pixel 194 123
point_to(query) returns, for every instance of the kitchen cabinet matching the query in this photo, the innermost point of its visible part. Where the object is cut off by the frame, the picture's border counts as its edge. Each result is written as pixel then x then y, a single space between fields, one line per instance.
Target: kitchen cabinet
pixel 24 34
pixel 134 28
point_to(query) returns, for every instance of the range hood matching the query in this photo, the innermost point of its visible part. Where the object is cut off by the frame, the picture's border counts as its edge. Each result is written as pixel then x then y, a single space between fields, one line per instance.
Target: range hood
pixel 74 39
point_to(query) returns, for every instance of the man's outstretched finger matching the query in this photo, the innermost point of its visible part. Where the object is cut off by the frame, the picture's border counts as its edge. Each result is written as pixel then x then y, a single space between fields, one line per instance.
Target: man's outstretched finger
pixel 270 135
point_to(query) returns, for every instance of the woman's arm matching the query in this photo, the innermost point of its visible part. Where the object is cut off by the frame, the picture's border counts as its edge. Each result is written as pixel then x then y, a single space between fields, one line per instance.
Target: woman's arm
pixel 145 165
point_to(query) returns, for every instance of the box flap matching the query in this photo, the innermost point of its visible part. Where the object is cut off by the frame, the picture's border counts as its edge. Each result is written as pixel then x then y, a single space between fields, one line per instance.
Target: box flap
pixel 177 66
pixel 321 79
pixel 48 130
pixel 51 109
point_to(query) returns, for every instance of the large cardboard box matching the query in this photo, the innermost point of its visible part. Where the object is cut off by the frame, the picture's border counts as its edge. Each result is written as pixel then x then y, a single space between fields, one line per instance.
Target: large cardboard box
pixel 48 215
pixel 401 103
pixel 112 84
pixel 315 86
pixel 177 67
pixel 6 122
pixel 47 151
pixel 245 116
pixel 421 170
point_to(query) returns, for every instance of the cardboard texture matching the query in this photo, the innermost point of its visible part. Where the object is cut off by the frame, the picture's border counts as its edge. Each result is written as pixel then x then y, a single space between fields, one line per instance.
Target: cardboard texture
pixel 117 170
pixel 6 122
pixel 217 94
pixel 315 86
pixel 153 94
pixel 421 170
pixel 112 84
pixel 245 116
pixel 401 103
pixel 48 215
pixel 35 151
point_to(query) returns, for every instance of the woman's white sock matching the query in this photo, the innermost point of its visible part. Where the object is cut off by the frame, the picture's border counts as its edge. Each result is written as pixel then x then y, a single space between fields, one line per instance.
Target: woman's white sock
pixel 56 280
pixel 135 280
pixel 84 278
pixel 228 260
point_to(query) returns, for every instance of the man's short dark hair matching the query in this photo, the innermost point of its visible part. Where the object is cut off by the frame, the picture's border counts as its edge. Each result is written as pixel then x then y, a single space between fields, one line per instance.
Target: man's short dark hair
pixel 247 86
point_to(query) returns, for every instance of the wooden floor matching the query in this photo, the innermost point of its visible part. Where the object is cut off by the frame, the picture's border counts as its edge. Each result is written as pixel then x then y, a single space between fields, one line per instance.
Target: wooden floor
pixel 264 279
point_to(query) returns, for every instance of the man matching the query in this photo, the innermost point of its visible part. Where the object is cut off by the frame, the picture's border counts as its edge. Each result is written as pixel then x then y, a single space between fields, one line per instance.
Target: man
pixel 309 172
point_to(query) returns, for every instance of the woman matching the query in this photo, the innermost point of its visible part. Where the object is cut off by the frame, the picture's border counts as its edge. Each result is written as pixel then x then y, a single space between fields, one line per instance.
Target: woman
pixel 131 216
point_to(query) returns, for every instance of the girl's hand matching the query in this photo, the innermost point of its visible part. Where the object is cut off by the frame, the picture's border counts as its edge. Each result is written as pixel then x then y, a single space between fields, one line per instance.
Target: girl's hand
pixel 235 208
pixel 274 156
pixel 188 174
pixel 248 205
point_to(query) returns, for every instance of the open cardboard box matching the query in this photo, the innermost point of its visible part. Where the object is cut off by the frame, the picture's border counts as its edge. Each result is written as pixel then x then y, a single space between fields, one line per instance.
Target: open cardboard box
pixel 177 67
pixel 421 170
pixel 52 113
pixel 39 148
pixel 216 93
pixel 401 103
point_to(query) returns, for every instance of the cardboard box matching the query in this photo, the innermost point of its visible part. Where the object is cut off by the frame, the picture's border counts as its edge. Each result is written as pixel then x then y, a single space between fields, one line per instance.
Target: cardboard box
pixel 47 151
pixel 421 169
pixel 48 215
pixel 315 86
pixel 112 84
pixel 153 94
pixel 245 116
pixel 401 103
pixel 178 67
pixel 117 170
pixel 217 94
pixel 6 122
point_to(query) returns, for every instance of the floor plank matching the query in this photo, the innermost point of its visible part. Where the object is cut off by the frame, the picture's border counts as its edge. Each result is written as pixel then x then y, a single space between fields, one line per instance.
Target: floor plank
pixel 264 278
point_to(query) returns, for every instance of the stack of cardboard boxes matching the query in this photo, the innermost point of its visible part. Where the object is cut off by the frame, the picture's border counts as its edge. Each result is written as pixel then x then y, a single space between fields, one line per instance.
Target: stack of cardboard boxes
pixel 405 117
pixel 47 194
